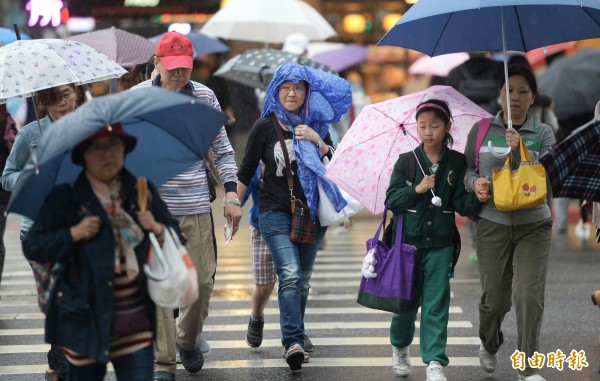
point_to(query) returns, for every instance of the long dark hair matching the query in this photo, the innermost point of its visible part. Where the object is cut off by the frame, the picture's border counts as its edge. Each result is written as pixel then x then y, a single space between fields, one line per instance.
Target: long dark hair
pixel 442 112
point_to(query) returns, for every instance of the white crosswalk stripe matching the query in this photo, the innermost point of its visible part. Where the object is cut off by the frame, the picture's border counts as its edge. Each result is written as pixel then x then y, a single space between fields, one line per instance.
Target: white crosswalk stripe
pixel 333 318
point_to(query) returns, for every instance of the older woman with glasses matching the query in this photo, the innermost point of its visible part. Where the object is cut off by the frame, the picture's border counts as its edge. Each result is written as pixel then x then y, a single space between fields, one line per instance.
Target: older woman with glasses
pixel 99 309
pixel 52 104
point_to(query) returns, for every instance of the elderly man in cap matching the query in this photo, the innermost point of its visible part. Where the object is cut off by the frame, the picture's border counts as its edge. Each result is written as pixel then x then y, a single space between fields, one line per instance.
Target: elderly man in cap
pixel 187 197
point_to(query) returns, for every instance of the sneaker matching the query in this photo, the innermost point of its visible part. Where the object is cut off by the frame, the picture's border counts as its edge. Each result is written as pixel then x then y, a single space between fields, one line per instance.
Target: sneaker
pixel 473 256
pixel 582 230
pixel 254 336
pixel 294 357
pixel 533 377
pixel 308 345
pixel 401 361
pixel 487 360
pixel 435 372
pixel 596 298
pixel 203 344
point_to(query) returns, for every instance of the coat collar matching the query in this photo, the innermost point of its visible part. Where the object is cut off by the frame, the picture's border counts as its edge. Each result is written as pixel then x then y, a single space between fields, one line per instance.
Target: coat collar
pixel 530 124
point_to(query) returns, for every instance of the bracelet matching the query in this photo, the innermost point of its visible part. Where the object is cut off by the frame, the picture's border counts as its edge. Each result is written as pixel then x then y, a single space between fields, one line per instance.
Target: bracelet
pixel 320 143
pixel 231 201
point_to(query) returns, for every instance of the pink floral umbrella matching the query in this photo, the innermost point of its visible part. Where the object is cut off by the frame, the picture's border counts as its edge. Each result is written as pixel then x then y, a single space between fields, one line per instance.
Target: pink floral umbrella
pixel 363 162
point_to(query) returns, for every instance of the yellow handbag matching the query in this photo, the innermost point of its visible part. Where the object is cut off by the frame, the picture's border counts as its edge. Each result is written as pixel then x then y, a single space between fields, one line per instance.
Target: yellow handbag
pixel 522 188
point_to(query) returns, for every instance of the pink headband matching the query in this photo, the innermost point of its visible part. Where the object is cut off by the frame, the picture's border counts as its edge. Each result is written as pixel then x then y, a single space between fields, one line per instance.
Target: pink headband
pixel 433 105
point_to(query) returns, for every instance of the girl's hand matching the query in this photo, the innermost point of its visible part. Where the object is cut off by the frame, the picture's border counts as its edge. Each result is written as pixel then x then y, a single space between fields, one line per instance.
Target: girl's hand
pixel 513 139
pixel 304 132
pixel 482 189
pixel 426 184
pixel 86 229
pixel 147 221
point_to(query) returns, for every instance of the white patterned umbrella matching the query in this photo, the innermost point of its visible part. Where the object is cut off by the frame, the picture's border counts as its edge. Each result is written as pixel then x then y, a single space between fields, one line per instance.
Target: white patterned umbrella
pixel 28 66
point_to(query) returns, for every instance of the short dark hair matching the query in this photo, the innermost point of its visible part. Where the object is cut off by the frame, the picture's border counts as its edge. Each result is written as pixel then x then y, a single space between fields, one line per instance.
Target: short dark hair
pixel 52 96
pixel 444 115
pixel 525 72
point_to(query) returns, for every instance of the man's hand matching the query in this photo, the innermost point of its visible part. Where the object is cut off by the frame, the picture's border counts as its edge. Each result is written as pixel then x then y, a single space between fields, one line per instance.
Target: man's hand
pixel 86 229
pixel 233 213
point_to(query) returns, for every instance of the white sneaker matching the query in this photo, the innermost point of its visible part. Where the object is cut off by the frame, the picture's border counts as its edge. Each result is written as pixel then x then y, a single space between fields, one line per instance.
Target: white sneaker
pixel 582 230
pixel 533 377
pixel 401 361
pixel 435 372
pixel 487 360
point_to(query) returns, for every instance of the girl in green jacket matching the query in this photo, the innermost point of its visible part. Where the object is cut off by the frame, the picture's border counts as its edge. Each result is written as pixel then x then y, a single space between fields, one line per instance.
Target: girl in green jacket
pixel 431 229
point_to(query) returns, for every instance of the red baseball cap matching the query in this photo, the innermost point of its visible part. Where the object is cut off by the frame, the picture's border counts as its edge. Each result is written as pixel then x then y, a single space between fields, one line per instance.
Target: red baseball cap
pixel 175 51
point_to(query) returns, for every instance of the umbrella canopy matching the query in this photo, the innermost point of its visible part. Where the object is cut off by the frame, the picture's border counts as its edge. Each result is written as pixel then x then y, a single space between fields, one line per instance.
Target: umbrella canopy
pixel 33 65
pixel 573 83
pixel 439 65
pixel 8 35
pixel 256 67
pixel 202 44
pixel 437 27
pixel 573 166
pixel 343 58
pixel 364 160
pixel 537 57
pixel 126 49
pixel 268 21
pixel 173 132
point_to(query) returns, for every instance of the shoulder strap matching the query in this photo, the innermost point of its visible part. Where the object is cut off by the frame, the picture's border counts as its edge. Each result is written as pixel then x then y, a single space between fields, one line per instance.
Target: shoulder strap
pixel 286 156
pixel 484 127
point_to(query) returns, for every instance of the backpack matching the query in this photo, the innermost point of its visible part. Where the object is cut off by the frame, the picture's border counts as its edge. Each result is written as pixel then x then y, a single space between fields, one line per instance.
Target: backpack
pixel 409 165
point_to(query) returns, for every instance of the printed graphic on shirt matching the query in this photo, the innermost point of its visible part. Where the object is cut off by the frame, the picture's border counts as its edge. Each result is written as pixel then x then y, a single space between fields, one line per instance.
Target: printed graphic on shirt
pixel 280 159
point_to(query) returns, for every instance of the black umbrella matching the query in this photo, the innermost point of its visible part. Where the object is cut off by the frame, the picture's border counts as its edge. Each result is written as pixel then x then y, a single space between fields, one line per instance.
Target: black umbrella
pixel 573 166
pixel 572 82
pixel 255 67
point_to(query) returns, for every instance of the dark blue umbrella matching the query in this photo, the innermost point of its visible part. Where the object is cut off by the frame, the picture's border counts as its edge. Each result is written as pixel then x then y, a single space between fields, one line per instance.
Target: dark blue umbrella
pixel 437 27
pixel 201 43
pixel 174 131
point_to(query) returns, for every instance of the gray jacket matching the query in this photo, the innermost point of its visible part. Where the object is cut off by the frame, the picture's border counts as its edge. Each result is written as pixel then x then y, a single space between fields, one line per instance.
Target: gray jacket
pixel 26 142
pixel 538 138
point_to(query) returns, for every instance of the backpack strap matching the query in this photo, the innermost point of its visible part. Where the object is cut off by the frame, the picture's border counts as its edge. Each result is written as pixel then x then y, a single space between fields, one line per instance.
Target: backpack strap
pixel 484 127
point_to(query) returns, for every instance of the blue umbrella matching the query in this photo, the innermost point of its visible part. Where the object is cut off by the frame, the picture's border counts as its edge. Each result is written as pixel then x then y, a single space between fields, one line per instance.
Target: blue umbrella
pixel 201 43
pixel 437 27
pixel 8 35
pixel 173 131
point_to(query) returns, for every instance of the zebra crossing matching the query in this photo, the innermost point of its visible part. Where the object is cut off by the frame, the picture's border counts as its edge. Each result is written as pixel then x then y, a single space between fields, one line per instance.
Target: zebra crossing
pixel 345 334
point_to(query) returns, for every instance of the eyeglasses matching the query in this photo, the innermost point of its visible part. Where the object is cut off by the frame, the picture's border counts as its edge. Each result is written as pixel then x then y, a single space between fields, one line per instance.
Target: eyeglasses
pixel 67 95
pixel 295 88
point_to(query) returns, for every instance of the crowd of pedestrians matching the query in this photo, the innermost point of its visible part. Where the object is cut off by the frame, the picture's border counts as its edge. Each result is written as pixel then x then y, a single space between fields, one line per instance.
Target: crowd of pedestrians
pixel 282 168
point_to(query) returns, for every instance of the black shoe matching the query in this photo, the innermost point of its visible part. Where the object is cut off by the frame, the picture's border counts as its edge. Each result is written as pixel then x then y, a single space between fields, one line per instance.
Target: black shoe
pixel 308 345
pixel 192 361
pixel 254 336
pixel 294 357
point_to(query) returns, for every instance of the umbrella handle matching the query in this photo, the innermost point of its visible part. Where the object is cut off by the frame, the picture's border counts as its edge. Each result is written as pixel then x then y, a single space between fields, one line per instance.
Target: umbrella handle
pixel 499 155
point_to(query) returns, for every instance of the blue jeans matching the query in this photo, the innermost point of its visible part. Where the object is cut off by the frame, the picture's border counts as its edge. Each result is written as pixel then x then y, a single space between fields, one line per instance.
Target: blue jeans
pixel 137 366
pixel 294 263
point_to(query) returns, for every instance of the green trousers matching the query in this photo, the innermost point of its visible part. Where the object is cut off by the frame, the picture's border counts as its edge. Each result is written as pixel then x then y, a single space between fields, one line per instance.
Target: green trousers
pixel 432 292
pixel 512 264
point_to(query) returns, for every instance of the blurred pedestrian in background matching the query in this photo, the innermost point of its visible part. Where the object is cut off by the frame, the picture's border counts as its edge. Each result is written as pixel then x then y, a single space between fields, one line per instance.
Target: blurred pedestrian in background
pixel 8 131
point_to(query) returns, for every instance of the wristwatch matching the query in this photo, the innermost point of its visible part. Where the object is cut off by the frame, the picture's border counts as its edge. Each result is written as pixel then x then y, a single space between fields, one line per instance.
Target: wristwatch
pixel 320 143
pixel 232 201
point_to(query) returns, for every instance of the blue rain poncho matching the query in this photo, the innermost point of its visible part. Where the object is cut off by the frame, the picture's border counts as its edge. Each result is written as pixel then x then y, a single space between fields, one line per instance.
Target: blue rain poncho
pixel 328 97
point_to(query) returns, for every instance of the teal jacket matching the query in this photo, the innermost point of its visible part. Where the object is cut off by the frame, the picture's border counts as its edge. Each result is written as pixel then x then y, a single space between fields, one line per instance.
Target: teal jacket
pixel 425 225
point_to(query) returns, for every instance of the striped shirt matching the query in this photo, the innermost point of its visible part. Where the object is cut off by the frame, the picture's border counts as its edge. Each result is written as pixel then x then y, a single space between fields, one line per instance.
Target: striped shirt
pixel 187 193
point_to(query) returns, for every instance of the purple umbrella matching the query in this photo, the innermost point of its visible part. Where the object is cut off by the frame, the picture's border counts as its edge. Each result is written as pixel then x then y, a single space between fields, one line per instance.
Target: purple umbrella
pixel 127 49
pixel 342 59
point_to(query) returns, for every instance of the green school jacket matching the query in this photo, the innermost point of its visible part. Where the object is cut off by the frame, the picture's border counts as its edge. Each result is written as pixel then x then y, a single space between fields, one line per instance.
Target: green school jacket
pixel 425 225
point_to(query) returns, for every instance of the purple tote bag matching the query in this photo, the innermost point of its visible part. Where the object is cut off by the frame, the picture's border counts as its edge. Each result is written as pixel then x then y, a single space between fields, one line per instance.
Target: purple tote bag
pixel 392 289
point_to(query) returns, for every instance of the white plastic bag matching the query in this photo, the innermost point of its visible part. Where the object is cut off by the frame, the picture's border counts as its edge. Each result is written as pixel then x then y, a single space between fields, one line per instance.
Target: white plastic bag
pixel 326 210
pixel 172 276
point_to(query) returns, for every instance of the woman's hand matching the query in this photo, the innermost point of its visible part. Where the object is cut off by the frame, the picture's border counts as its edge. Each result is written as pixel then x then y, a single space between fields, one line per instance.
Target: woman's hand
pixel 86 229
pixel 513 139
pixel 147 221
pixel 482 189
pixel 304 132
pixel 426 184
